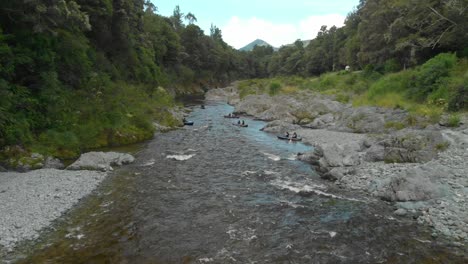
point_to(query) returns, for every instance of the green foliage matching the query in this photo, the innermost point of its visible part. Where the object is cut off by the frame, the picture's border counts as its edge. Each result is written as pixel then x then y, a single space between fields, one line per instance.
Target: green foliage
pixel 430 74
pixel 274 88
pixel 453 121
pixel 442 146
pixel 75 77
pixel 394 125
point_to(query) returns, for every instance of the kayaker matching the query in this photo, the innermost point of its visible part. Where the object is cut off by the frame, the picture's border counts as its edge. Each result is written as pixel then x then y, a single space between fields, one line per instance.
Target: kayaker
pixel 243 123
pixel 287 134
pixel 294 135
pixel 238 122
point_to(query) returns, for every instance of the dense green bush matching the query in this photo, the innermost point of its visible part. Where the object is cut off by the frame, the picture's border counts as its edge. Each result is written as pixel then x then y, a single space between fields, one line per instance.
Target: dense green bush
pixel 430 74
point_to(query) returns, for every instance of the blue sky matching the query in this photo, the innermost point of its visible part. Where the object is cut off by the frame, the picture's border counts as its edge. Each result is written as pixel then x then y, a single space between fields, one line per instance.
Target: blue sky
pixel 277 22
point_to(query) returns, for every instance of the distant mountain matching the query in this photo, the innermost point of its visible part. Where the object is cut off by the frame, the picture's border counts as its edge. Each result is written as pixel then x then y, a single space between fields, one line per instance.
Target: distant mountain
pixel 257 42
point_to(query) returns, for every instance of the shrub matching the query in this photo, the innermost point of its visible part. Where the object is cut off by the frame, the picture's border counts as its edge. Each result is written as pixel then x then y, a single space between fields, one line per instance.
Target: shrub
pixel 395 125
pixel 442 146
pixel 453 121
pixel 459 101
pixel 430 74
pixel 275 87
pixel 392 65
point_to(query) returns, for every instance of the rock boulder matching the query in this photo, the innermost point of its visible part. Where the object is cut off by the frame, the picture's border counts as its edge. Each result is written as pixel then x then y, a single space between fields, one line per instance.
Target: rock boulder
pixel 101 161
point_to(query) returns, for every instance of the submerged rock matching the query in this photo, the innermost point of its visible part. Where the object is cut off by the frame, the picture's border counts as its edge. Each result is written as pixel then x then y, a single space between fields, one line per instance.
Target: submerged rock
pixel 101 161
pixel 400 212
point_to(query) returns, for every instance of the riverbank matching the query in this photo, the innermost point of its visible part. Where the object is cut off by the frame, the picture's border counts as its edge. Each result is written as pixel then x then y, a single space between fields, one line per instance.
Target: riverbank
pixel 31 201
pixel 35 196
pixel 387 153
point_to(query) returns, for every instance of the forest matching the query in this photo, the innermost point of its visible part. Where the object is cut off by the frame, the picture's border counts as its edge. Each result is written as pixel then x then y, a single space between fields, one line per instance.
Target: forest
pixel 83 74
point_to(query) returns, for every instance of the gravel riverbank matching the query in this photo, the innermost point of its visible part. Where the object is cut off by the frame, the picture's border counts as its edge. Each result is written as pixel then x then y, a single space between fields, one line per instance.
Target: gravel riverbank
pixel 32 200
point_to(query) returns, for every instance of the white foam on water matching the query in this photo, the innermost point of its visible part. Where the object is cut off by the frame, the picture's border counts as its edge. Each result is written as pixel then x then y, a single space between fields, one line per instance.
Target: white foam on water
pixel 247 173
pixel 292 157
pixel 205 260
pixel 317 189
pixel 332 234
pixel 271 156
pixel 267 172
pixel 244 234
pixel 180 157
pixel 293 205
pixel 149 163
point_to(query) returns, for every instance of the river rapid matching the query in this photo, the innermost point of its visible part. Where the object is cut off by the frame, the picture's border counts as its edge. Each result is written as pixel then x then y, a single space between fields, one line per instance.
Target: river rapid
pixel 217 193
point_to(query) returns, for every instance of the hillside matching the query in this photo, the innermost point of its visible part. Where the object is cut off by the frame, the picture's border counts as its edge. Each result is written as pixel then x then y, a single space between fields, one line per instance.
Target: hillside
pixel 257 42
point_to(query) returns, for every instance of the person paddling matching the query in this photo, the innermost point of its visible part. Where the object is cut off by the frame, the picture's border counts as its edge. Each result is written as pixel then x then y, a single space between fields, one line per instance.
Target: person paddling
pixel 238 122
pixel 294 135
pixel 243 123
pixel 287 134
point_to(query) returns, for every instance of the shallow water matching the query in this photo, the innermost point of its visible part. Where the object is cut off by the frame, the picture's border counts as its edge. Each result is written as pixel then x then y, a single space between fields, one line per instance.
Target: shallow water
pixel 217 193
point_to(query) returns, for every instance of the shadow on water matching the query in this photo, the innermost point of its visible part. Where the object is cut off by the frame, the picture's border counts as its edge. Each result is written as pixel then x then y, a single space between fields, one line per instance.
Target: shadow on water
pixel 217 193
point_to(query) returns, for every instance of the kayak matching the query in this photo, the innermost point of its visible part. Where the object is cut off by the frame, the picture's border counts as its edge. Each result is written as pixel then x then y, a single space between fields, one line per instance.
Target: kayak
pixel 188 123
pixel 289 138
pixel 230 116
pixel 241 125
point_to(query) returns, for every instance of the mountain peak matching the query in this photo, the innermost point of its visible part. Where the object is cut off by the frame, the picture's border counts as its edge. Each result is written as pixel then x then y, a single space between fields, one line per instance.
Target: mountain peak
pixel 251 45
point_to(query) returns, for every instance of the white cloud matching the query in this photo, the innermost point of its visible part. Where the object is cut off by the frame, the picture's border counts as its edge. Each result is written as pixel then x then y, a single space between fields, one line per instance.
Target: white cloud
pixel 239 32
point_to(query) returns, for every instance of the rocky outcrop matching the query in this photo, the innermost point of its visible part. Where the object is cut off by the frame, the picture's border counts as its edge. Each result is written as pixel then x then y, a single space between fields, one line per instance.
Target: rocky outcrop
pixel 280 127
pixel 53 163
pixel 101 161
pixel 415 184
pixel 321 122
pixel 19 159
pixel 330 159
pixel 413 146
pixel 368 119
pixel 229 95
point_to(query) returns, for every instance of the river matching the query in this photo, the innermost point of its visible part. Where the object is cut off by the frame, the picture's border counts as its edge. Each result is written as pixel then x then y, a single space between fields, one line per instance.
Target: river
pixel 217 193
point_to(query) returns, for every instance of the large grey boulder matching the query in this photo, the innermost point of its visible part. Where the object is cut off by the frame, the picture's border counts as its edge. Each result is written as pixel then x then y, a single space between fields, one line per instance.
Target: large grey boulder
pixel 254 105
pixel 229 94
pixel 53 163
pixel 368 119
pixel 280 127
pixel 336 155
pixel 374 153
pixel 413 146
pixel 278 112
pixel 101 161
pixel 322 121
pixel 415 184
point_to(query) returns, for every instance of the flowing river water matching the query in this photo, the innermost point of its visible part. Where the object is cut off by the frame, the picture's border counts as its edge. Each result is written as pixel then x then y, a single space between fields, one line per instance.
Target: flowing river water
pixel 217 193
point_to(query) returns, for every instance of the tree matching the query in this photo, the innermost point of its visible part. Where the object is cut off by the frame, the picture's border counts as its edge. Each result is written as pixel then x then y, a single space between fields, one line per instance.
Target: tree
pixel 190 18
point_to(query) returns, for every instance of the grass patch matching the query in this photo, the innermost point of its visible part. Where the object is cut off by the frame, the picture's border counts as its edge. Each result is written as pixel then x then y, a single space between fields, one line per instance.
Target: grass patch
pixel 453 121
pixel 394 125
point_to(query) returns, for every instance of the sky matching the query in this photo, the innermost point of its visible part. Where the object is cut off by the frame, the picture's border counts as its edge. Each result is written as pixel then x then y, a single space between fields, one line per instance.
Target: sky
pixel 276 22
